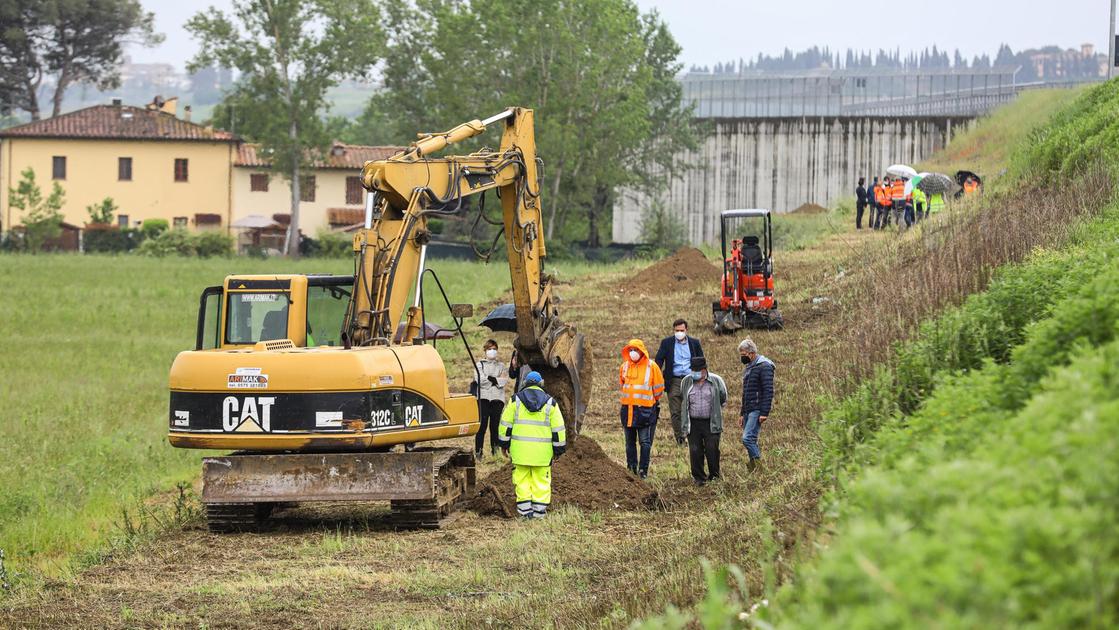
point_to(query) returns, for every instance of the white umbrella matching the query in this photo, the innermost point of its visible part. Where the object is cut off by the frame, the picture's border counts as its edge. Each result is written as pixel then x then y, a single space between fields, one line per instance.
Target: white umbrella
pixel 253 221
pixel 901 170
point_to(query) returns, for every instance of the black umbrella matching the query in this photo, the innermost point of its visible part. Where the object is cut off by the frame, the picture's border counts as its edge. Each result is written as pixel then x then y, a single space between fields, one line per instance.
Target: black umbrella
pixel 934 183
pixel 501 319
pixel 961 177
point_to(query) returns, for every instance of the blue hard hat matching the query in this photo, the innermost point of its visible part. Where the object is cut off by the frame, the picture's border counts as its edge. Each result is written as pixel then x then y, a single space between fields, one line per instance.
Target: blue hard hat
pixel 533 378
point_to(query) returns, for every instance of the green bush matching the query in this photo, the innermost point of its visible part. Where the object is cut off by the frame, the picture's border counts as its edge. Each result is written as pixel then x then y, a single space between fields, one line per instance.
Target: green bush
pixel 213 243
pixel 152 228
pixel 169 243
pixel 109 239
pixel 333 245
pixel 980 516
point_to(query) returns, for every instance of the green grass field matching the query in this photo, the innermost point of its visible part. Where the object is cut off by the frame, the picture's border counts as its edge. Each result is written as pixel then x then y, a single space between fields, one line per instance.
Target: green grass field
pixel 83 377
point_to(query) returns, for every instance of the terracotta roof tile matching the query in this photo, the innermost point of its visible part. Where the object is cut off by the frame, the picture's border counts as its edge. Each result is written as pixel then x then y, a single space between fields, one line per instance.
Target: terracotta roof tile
pixel 345 216
pixel 117 122
pixel 342 156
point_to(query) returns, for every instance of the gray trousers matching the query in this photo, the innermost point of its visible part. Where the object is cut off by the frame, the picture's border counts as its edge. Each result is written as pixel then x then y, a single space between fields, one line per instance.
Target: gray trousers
pixel 674 400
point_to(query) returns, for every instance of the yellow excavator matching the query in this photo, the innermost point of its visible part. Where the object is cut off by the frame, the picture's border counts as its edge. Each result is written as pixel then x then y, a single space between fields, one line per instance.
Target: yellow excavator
pixel 314 380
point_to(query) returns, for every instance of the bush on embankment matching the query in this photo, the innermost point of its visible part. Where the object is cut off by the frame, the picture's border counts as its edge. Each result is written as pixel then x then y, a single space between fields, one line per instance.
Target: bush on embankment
pixel 994 503
pixel 975 476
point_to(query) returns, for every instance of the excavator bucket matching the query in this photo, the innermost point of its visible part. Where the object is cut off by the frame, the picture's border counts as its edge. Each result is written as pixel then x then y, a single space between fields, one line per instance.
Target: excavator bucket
pixel 569 380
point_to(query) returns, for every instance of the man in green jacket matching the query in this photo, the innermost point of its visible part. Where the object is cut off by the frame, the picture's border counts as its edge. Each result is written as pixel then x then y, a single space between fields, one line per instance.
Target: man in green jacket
pixel 532 435
pixel 701 416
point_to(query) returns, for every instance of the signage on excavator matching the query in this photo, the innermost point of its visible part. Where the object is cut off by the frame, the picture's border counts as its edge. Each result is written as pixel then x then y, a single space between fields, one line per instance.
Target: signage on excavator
pixel 248 413
pixel 247 378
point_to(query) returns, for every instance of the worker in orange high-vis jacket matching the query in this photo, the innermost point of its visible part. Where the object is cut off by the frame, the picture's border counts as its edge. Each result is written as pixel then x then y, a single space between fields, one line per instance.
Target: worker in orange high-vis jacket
pixel 882 201
pixel 642 387
pixel 897 196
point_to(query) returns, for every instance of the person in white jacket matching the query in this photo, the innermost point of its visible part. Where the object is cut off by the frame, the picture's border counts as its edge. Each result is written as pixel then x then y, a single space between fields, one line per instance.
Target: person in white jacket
pixel 489 386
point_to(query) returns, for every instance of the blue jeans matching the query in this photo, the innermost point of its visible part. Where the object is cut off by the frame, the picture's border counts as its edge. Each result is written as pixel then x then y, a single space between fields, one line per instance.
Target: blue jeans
pixel 750 434
pixel 644 436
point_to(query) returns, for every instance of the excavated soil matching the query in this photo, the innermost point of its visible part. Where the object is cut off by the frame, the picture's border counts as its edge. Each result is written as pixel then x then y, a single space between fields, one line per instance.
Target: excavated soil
pixel 684 270
pixel 810 208
pixel 584 477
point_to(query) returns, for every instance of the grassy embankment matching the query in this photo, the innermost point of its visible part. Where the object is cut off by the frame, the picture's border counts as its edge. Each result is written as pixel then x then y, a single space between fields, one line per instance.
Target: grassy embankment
pixel 973 477
pixel 939 265
pixel 88 343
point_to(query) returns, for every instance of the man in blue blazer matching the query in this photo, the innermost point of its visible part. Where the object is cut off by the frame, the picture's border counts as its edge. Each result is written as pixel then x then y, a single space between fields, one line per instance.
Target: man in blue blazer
pixel 675 360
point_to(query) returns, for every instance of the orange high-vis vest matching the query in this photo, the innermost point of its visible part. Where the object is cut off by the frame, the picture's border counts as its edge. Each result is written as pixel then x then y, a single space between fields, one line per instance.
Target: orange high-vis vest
pixel 897 190
pixel 641 392
pixel 642 382
pixel 881 195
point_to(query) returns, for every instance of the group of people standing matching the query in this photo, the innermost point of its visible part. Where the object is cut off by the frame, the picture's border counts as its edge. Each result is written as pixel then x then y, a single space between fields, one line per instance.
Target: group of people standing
pixel 888 200
pixel 529 429
pixel 696 397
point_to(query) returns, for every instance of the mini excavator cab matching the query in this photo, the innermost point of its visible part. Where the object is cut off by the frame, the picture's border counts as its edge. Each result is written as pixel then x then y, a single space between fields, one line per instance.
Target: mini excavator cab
pixel 747 298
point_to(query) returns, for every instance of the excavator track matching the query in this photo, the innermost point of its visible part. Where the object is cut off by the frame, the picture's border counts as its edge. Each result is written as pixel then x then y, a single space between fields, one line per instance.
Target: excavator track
pixel 224 518
pixel 422 487
pixel 454 478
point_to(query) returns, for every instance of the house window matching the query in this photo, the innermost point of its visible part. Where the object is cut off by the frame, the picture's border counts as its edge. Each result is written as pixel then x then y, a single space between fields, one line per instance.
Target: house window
pixel 307 188
pixel 258 182
pixel 122 221
pixel 353 190
pixel 124 169
pixel 179 223
pixel 180 169
pixel 58 164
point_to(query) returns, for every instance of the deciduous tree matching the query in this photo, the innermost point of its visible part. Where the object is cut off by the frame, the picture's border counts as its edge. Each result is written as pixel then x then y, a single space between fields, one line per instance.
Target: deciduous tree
pixel 42 217
pixel 288 53
pixel 599 73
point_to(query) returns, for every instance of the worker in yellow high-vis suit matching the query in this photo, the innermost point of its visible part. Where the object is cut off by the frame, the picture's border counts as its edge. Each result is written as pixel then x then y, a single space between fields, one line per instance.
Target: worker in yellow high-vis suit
pixel 533 435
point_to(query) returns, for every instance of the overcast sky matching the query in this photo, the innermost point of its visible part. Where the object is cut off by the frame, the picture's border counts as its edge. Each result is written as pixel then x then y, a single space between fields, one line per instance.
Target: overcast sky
pixel 712 31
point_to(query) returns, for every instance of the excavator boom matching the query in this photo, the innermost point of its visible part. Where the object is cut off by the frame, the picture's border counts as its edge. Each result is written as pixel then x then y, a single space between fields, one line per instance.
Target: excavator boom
pixel 408 188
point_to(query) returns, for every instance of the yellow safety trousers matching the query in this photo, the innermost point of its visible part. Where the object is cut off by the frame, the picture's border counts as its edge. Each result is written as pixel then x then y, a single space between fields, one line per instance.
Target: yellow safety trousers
pixel 533 486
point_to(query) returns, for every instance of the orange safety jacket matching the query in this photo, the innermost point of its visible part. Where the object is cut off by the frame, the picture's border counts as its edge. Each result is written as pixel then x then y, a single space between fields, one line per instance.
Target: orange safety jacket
pixel 880 194
pixel 642 381
pixel 897 190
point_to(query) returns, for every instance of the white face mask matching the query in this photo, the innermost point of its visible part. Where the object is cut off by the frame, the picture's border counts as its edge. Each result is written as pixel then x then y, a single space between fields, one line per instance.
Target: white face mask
pixel 634 356
pixel 491 353
pixel 681 335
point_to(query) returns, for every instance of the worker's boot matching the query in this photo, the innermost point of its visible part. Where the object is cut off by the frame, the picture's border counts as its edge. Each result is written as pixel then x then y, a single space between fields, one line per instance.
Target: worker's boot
pixel 753 465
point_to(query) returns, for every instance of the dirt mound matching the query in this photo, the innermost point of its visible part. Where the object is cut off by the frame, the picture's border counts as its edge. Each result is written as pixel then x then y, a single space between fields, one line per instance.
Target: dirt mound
pixel 584 477
pixel 810 208
pixel 686 269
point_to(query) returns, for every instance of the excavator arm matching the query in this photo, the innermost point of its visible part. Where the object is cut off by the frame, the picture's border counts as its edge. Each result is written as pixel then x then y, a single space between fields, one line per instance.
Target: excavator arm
pixel 407 189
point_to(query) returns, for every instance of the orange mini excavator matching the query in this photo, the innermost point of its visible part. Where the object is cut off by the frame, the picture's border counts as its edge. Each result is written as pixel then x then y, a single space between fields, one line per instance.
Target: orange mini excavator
pixel 747 299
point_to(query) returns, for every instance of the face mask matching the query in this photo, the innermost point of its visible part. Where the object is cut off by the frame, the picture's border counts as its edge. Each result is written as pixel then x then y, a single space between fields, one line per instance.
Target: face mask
pixel 681 335
pixel 491 353
pixel 634 356
pixel 745 360
pixel 697 375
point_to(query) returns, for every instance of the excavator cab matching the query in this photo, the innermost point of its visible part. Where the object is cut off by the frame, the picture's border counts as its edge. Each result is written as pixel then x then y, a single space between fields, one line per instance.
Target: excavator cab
pixel 747 298
pixel 308 310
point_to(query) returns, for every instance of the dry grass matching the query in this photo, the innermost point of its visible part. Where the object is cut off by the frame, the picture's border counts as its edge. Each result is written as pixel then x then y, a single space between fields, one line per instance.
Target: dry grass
pixel 944 260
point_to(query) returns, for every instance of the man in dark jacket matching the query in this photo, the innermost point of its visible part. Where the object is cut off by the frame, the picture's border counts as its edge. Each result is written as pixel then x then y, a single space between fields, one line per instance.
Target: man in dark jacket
pixel 675 360
pixel 860 203
pixel 757 397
